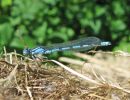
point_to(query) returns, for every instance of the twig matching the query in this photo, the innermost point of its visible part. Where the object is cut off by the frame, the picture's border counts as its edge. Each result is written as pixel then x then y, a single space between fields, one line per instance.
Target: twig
pixel 29 93
pixel 76 73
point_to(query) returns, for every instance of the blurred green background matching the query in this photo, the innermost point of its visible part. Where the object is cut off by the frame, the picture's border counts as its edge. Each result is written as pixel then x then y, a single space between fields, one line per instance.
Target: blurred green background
pixel 41 22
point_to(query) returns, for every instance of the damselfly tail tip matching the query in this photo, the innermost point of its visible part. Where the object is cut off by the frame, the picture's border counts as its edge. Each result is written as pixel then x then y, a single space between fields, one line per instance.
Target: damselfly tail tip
pixel 105 43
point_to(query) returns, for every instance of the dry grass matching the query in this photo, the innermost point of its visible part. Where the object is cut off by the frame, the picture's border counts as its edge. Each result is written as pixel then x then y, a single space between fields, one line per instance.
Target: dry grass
pixel 103 76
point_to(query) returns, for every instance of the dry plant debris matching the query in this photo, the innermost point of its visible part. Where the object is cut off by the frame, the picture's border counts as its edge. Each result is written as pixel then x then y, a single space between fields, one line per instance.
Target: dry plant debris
pixel 101 76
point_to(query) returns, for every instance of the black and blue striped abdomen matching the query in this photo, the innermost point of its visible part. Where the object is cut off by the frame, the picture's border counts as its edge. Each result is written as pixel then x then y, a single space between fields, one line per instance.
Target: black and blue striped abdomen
pixel 77 45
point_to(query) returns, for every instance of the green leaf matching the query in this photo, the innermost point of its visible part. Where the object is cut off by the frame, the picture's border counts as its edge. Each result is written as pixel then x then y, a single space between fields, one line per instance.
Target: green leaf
pixel 57 34
pixel 100 10
pixel 53 11
pixel 15 21
pixel 25 42
pixel 17 43
pixel 70 32
pixel 118 8
pixel 54 20
pixel 87 19
pixel 5 33
pixel 115 36
pixel 123 45
pixel 69 15
pixel 5 3
pixel 40 32
pixel 96 26
pixel 62 33
pixel 84 22
pixel 22 29
pixel 118 25
pixel 52 2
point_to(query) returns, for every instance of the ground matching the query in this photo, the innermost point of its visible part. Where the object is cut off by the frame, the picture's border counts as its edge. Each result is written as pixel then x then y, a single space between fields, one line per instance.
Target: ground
pixel 96 75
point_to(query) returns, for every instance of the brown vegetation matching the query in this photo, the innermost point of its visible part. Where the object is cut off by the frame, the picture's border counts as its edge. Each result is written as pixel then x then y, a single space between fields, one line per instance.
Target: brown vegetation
pixel 103 76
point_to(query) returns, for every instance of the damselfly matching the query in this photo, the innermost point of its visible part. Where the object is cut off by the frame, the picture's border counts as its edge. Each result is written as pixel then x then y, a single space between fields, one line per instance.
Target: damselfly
pixel 82 44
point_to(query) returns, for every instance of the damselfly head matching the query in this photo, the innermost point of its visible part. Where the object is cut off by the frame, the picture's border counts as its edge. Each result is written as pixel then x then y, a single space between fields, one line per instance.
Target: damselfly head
pixel 27 51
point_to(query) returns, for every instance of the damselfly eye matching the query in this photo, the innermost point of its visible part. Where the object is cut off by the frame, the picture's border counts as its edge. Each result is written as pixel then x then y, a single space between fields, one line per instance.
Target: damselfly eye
pixel 26 51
